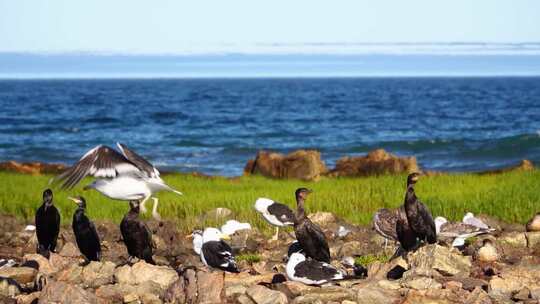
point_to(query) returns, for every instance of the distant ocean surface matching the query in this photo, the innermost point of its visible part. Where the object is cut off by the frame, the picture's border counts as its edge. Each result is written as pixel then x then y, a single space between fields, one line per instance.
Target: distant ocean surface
pixel 215 125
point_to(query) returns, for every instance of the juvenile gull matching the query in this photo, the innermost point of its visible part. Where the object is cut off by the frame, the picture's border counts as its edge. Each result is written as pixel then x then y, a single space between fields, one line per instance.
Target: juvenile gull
pixel 384 223
pixel 121 176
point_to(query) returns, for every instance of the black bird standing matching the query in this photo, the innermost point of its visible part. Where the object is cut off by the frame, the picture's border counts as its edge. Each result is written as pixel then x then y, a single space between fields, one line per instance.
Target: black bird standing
pixel 136 235
pixel 310 236
pixel 47 225
pixel 85 232
pixel 418 215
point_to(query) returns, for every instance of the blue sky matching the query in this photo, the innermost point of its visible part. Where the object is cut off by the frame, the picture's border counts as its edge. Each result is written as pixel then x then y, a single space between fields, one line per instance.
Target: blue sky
pixel 203 26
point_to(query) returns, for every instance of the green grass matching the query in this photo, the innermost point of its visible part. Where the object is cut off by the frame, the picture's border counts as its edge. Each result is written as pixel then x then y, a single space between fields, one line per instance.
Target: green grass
pixel 513 196
pixel 367 259
pixel 249 257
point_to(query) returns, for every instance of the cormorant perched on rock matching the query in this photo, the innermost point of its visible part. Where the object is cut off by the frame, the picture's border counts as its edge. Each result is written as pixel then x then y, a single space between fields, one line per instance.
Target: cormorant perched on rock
pixel 275 213
pixel 406 236
pixel 85 232
pixel 534 223
pixel 418 215
pixel 47 224
pixel 136 235
pixel 215 252
pixel 310 236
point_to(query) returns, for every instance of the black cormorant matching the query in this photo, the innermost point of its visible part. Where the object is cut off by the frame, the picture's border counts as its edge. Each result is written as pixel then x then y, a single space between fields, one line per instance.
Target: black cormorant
pixel 136 235
pixel 47 224
pixel 310 236
pixel 85 232
pixel 275 213
pixel 418 215
pixel 215 252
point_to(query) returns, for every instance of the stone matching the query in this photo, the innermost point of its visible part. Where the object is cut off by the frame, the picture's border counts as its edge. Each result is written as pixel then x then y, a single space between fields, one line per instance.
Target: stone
pixel 30 298
pixel 142 272
pixel 386 284
pixel 514 239
pixel 190 277
pixel 96 274
pixel 429 296
pixel 327 294
pixel 244 299
pixel 375 295
pixel 522 295
pixel 43 263
pixel 469 283
pixel 70 250
pixel 478 296
pixel 61 292
pixel 535 294
pixel 533 239
pixel 209 287
pixel 9 287
pixel 348 302
pixel 116 292
pixel 514 278
pixel 420 283
pixel 34 168
pixel 376 162
pixel 352 248
pixel 175 293
pixel 235 290
pixel 246 279
pixel 131 297
pixel 301 164
pixel 447 261
pixel 22 275
pixel 322 219
pixel 150 298
pixel 262 295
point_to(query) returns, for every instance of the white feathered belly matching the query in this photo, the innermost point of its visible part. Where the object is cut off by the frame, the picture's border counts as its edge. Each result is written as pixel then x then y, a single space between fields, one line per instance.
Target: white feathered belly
pixel 122 188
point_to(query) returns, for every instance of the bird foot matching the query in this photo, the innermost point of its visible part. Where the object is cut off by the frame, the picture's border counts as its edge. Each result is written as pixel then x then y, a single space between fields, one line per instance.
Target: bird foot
pixel 156 216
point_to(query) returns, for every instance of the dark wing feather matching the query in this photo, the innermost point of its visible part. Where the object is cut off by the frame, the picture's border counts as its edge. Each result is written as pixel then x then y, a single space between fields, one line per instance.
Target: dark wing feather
pixel 138 161
pixel 312 240
pixel 101 161
pixel 217 253
pixel 137 238
pixel 406 236
pixel 315 270
pixel 429 224
pixel 384 222
pixel 282 212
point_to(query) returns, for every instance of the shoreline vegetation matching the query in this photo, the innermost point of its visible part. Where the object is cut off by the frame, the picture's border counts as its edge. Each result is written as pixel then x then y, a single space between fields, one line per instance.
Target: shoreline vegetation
pixel 510 195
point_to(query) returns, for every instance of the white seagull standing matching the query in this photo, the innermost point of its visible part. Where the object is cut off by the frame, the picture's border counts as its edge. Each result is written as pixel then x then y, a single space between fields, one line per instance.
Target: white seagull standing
pixel 121 176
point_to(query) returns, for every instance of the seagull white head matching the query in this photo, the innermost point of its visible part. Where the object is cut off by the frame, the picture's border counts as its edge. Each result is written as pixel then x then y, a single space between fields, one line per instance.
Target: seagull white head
pixel 439 221
pixel 262 203
pixel 467 216
pixel 213 234
pixel 296 258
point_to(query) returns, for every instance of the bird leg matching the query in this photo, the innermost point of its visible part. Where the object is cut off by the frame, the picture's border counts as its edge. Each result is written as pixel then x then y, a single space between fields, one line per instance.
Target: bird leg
pixel 155 214
pixel 141 205
pixel 276 235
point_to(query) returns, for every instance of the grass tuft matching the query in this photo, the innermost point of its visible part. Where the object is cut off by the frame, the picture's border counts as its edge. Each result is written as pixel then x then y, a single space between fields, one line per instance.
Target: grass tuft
pixel 248 257
pixel 367 259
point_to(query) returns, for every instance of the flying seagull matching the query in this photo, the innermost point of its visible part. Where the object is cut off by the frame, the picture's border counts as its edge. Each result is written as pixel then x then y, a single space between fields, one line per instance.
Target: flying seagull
pixel 47 225
pixel 277 214
pixel 121 176
pixel 457 231
pixel 85 232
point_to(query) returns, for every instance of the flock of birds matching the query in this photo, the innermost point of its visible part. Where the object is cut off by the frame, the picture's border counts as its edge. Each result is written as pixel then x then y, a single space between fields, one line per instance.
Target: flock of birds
pixel 127 176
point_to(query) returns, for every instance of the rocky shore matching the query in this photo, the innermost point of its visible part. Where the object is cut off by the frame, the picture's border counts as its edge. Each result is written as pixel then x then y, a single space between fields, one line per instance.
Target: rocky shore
pixel 434 273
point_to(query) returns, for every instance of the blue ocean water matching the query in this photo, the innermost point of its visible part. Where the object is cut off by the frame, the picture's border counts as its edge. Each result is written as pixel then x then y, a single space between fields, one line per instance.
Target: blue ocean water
pixel 215 125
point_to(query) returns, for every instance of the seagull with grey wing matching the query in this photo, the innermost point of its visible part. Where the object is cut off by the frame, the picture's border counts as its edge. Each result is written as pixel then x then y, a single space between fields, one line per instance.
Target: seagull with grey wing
pixel 123 175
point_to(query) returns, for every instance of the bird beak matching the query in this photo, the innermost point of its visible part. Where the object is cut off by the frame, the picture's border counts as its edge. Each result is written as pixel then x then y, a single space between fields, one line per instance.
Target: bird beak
pixel 225 236
pixel 189 236
pixel 73 199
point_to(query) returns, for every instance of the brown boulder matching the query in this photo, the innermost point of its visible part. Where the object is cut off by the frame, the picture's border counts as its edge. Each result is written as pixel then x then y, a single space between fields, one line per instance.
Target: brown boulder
pixel 302 164
pixel 34 168
pixel 60 292
pixel 376 162
pixel 524 165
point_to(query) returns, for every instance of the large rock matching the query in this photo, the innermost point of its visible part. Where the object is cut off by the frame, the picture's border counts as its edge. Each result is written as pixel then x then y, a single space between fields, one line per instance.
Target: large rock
pixel 514 278
pixel 22 275
pixel 533 239
pixel 514 239
pixel 93 275
pixel 376 162
pixel 44 265
pixel 117 292
pixel 302 164
pixel 34 168
pixel 61 292
pixel 446 261
pixel 262 295
pixel 209 287
pixel 373 294
pixel 439 296
pixel 322 219
pixel 326 295
pixel 142 272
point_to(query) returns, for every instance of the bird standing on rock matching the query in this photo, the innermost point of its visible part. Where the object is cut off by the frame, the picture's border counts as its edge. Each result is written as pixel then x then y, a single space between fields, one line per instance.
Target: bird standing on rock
pixel 215 252
pixel 85 232
pixel 136 235
pixel 127 176
pixel 47 222
pixel 277 214
pixel 310 236
pixel 418 215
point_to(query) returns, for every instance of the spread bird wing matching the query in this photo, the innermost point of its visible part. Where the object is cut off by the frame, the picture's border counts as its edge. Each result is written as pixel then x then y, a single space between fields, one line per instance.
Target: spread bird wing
pixel 101 161
pixel 139 161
